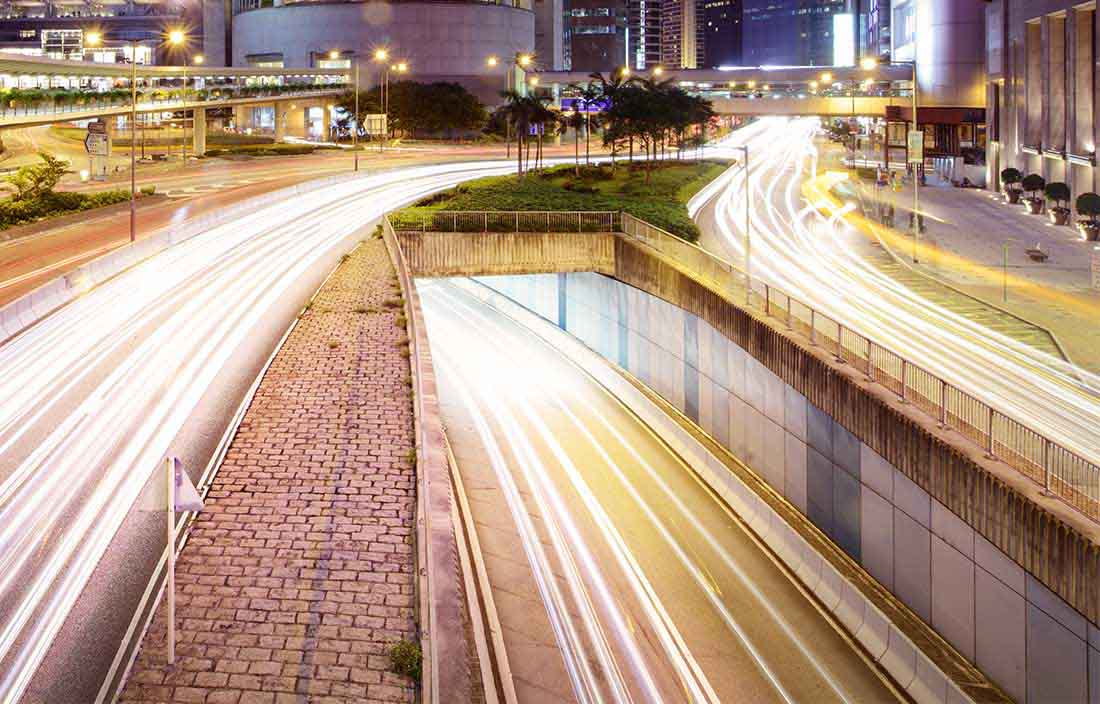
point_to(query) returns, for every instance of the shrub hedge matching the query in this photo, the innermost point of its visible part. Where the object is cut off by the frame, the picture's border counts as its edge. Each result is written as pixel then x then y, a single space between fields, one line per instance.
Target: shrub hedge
pixel 18 212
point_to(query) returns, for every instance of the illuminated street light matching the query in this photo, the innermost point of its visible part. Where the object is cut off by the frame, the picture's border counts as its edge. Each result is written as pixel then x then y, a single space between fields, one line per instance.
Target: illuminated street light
pixel 492 61
pixel 381 54
pixel 402 67
pixel 333 55
pixel 524 60
pixel 624 71
pixel 751 84
pixel 826 78
pixel 534 80
pixel 93 38
pixel 868 63
pixel 198 59
pixel 657 71
pixel 176 37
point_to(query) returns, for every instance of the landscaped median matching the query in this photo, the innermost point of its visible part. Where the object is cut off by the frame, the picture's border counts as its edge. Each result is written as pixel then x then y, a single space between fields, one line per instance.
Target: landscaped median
pixel 657 193
pixel 34 199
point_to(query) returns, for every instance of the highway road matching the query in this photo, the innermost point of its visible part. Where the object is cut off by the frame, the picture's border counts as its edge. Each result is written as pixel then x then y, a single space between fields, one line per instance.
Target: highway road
pixel 806 254
pixel 650 589
pixel 151 362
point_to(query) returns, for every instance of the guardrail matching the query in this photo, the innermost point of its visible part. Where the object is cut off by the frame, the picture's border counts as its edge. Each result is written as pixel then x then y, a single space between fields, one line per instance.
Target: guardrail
pixel 505 221
pixel 147 100
pixel 1061 472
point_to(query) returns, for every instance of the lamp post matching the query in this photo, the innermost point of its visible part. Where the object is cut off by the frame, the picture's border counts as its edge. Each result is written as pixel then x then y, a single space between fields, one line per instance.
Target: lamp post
pixel 380 56
pixel 748 229
pixel 197 60
pixel 175 37
pixel 522 60
pixel 869 64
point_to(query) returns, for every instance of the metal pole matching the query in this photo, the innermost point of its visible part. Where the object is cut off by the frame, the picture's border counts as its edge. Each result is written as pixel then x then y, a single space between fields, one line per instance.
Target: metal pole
pixel 170 535
pixel 133 140
pixel 748 232
pixel 183 147
pixel 355 132
pixel 916 171
pixel 507 122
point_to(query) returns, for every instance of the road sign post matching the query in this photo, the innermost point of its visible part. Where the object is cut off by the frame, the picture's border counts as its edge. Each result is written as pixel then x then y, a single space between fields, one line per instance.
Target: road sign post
pixel 97 143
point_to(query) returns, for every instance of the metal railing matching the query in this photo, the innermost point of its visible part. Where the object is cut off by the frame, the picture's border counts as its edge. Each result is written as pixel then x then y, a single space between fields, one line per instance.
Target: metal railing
pixel 505 221
pixel 1061 472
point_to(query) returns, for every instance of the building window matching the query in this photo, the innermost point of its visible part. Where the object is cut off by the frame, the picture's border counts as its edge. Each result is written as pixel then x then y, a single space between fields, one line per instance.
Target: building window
pixel 26 34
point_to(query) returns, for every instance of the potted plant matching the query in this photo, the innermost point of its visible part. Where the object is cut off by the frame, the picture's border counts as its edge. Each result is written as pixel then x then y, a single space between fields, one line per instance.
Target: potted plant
pixel 1010 181
pixel 1033 184
pixel 1058 194
pixel 1088 205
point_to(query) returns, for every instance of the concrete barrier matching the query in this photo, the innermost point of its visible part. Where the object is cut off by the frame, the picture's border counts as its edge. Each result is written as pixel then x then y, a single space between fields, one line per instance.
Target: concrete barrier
pixel 853 598
pixel 37 304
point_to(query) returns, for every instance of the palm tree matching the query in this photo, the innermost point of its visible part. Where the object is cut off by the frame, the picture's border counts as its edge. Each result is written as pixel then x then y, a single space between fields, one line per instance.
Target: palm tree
pixel 576 120
pixel 518 112
pixel 587 95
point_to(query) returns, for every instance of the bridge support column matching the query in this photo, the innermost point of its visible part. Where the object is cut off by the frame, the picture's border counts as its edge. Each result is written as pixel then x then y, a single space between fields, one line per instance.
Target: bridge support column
pixel 280 121
pixel 198 132
pixel 326 123
pixel 242 117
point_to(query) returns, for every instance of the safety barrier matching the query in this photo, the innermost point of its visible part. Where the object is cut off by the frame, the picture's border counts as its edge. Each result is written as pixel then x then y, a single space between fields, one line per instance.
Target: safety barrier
pixel 1062 472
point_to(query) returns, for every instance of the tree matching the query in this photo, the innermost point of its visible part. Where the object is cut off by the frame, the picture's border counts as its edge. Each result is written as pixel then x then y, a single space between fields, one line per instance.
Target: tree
pixel 428 109
pixel 588 95
pixel 576 121
pixel 36 180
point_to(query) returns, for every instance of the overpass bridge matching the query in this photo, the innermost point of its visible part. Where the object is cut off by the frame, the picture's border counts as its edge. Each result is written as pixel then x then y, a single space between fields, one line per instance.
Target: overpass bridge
pixel 827 91
pixel 819 408
pixel 42 91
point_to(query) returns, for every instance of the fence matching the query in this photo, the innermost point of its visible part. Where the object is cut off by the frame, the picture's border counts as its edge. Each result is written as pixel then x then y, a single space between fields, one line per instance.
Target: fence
pixel 505 221
pixel 1062 473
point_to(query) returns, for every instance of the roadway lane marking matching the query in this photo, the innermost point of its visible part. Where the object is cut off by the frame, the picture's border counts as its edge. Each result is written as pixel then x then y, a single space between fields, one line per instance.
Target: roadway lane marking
pixel 57 265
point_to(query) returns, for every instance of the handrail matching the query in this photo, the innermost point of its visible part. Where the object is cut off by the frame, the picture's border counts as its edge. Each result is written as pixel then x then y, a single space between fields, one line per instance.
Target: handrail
pixel 504 221
pixel 1061 472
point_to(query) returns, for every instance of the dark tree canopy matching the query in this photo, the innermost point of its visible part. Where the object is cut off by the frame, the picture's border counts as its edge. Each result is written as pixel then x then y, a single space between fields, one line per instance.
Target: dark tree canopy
pixel 423 109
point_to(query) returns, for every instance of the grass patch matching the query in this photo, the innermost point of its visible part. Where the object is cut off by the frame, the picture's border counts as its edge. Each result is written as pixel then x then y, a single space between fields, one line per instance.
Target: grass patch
pixel 277 149
pixel 659 200
pixel 406 659
pixel 55 203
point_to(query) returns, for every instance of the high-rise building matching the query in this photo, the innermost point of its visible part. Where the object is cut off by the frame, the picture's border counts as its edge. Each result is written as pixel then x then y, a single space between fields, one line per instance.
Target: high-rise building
pixel 795 32
pixel 722 24
pixel 682 33
pixel 595 35
pixel 643 39
pixel 60 30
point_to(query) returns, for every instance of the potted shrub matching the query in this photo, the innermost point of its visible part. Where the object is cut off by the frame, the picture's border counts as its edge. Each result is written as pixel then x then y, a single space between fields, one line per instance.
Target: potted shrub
pixel 1058 194
pixel 1010 182
pixel 1033 184
pixel 1088 205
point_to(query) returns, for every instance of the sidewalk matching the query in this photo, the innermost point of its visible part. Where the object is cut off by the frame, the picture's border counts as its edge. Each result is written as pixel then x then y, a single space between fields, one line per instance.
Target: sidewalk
pixel 298 576
pixel 963 244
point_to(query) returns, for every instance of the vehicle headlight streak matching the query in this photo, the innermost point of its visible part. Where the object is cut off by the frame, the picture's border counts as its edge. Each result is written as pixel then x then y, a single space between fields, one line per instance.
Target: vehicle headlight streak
pixel 97 392
pixel 806 254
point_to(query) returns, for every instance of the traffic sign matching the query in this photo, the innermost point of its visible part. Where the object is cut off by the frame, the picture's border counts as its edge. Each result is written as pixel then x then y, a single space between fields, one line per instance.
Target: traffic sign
pixel 916 146
pixel 97 144
pixel 97 127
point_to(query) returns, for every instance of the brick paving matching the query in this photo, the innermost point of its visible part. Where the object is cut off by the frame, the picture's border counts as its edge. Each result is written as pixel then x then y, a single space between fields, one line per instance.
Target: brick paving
pixel 299 574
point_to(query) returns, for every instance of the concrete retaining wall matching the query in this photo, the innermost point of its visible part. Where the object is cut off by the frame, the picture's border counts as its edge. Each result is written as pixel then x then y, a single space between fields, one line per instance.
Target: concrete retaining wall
pixel 1029 641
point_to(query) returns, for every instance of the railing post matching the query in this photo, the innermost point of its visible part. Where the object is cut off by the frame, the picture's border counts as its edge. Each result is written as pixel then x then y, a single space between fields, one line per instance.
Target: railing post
pixel 485 227
pixel 943 403
pixel 904 376
pixel 517 221
pixel 548 221
pixel 839 342
pixel 870 359
pixel 767 300
pixel 1046 468
pixel 813 326
pixel 989 446
pixel 578 221
pixel 454 215
pixel 788 311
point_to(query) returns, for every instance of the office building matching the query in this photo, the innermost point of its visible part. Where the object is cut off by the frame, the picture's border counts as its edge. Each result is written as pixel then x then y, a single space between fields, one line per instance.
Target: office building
pixel 595 35
pixel 1041 90
pixel 722 24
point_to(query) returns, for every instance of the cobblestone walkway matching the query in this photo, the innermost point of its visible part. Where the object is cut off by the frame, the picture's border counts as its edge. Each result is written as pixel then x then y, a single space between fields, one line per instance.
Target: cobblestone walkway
pixel 299 574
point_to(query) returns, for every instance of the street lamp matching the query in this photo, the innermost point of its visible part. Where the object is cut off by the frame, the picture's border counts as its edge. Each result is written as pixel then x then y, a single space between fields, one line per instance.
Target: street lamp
pixel 521 60
pixel 175 37
pixel 869 64
pixel 748 229
pixel 657 70
pixel 334 55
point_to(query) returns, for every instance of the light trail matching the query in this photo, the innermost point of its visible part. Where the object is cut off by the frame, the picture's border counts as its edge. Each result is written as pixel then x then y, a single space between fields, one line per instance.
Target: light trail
pixel 713 625
pixel 94 396
pixel 806 254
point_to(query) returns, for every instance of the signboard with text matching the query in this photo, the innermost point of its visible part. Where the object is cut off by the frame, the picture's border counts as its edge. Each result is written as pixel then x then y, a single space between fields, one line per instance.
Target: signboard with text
pixel 916 146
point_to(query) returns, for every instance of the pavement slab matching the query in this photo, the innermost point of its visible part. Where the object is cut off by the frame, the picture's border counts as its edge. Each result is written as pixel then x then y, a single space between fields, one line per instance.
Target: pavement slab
pixel 299 574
